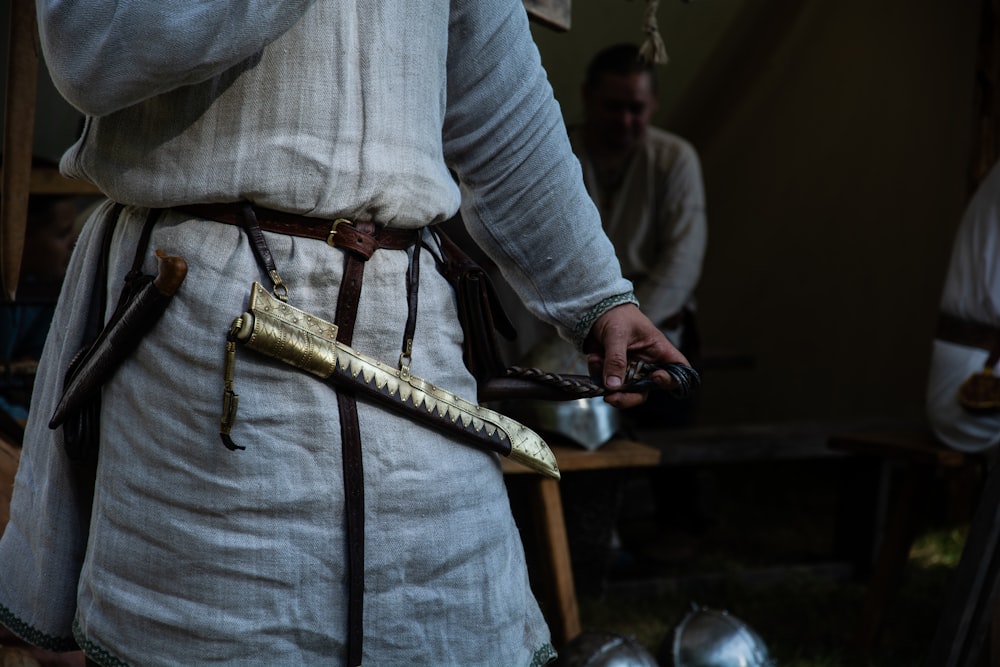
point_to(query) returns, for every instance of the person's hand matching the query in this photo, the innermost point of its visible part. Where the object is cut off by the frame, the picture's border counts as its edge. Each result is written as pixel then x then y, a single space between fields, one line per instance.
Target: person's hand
pixel 621 334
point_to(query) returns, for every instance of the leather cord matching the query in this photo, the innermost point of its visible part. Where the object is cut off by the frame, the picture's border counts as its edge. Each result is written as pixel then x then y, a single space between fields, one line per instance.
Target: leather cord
pixel 412 288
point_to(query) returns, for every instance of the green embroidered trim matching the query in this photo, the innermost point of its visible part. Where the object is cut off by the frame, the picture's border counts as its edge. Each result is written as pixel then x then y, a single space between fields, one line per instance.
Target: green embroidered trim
pixel 543 655
pixel 34 636
pixel 582 327
pixel 95 652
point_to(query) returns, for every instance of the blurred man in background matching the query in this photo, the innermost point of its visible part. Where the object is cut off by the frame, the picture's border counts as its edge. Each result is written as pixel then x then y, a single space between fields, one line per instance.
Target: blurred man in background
pixel 648 187
pixel 968 335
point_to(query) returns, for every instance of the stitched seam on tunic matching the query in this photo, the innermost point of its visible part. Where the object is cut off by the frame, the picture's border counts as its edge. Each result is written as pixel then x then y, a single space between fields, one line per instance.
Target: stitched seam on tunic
pixel 33 635
pixel 582 327
pixel 95 652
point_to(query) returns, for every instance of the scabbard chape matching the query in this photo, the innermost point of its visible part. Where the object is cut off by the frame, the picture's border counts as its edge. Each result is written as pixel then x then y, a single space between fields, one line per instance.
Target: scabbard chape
pixel 283 332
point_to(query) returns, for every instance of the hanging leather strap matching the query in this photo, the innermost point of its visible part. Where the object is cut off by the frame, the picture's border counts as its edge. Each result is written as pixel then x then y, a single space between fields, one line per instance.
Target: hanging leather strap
pixel 350 431
pixel 350 437
pixel 412 289
pixel 258 244
pixel 363 239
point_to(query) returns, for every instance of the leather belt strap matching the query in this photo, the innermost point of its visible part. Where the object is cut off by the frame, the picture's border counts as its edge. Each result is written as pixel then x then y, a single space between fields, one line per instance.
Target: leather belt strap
pixel 350 436
pixel 360 239
pixel 339 233
pixel 967 332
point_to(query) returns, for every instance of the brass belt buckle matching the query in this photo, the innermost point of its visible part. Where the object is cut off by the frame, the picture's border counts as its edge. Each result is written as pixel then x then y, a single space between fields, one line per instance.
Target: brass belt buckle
pixel 333 231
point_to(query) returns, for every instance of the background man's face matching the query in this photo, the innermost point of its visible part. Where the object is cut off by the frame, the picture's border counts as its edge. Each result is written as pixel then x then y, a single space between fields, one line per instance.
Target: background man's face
pixel 618 108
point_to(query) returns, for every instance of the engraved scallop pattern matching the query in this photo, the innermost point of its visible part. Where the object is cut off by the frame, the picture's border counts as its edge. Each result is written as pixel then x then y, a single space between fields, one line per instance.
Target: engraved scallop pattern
pixel 310 343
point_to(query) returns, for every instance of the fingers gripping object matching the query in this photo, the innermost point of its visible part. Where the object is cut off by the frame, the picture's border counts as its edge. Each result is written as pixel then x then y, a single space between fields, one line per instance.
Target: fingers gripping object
pixel 639 377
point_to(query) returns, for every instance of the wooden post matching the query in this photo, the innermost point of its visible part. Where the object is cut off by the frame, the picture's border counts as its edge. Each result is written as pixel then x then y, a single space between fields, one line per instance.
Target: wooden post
pixel 18 141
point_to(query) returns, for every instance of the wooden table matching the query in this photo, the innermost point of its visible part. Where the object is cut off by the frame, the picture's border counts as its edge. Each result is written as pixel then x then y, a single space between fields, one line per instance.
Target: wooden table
pixel 560 594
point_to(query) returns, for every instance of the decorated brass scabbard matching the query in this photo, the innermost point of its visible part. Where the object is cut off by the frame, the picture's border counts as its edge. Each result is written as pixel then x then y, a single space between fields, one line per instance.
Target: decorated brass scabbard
pixel 307 342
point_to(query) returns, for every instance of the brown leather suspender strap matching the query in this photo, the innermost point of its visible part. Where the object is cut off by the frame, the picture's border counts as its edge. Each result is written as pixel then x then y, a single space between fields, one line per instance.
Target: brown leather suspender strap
pixel 354 483
pixel 348 298
pixel 350 437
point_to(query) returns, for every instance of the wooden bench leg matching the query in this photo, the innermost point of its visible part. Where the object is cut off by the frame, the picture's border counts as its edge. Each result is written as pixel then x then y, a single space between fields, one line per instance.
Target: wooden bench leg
pixel 900 531
pixel 564 613
pixel 861 513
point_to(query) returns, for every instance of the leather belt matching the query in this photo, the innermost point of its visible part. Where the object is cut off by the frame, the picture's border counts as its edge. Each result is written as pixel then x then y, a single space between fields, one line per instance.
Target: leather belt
pixel 339 233
pixel 354 476
pixel 966 332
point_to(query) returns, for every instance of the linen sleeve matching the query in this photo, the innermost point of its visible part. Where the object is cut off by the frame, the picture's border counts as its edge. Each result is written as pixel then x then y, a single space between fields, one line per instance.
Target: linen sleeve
pixel 104 56
pixel 682 231
pixel 523 198
pixel 972 282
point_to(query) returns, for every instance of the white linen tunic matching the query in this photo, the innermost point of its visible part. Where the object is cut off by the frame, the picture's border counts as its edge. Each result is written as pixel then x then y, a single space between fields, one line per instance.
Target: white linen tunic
pixel 330 108
pixel 972 293
pixel 655 218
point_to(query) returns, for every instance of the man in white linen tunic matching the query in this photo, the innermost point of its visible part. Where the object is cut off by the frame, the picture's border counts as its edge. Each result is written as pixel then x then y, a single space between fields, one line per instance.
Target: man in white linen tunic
pixel 328 109
pixel 646 183
pixel 971 295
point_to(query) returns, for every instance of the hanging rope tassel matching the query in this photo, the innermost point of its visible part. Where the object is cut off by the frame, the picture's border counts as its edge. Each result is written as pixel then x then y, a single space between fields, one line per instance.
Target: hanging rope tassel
pixel 653 50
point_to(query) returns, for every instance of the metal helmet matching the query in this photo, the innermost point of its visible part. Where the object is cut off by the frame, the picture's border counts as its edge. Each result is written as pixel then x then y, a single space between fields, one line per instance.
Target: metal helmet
pixel 588 422
pixel 710 638
pixel 604 649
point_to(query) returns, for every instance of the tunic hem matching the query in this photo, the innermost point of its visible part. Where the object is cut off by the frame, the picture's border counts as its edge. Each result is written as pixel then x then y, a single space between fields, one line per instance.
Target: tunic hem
pixel 542 656
pixel 94 652
pixel 34 636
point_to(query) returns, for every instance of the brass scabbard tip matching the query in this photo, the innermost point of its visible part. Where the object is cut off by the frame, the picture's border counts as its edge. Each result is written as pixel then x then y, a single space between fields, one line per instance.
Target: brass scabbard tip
pixel 544 463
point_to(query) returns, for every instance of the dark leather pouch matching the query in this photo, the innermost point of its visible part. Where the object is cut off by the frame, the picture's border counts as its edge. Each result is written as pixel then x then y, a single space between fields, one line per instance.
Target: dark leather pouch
pixel 82 427
pixel 479 311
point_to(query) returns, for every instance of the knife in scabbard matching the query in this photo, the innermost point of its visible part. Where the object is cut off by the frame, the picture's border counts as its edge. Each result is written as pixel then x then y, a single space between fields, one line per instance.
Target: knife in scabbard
pixel 134 317
pixel 305 341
